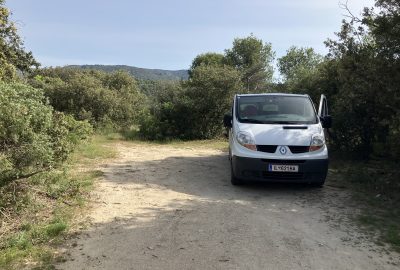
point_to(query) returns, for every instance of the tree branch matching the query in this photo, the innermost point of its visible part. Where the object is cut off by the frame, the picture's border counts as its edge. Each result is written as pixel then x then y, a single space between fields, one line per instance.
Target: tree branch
pixel 349 14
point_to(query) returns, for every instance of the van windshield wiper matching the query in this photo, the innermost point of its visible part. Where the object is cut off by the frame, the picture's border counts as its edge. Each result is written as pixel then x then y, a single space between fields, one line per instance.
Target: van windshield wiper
pixel 255 121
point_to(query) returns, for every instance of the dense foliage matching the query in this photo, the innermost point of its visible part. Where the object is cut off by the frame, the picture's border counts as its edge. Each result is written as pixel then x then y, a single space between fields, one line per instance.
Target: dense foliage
pixel 361 77
pixel 104 99
pixel 298 63
pixel 33 137
pixel 207 59
pixel 194 109
pixel 152 89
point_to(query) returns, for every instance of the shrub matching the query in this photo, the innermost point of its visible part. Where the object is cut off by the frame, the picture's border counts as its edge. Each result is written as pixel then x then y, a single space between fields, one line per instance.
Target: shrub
pixel 167 115
pixel 105 100
pixel 32 136
pixel 195 109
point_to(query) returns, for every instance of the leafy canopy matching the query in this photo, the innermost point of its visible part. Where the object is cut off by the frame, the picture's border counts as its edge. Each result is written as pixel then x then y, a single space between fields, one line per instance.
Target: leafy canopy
pixel 253 59
pixel 207 59
pixel 298 61
pixel 13 55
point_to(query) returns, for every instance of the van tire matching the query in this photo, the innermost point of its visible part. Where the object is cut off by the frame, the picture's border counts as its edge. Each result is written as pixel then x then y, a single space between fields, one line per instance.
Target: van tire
pixel 234 180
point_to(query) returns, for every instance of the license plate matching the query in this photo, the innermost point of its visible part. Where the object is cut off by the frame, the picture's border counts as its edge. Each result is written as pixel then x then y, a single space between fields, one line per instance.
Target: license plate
pixel 282 168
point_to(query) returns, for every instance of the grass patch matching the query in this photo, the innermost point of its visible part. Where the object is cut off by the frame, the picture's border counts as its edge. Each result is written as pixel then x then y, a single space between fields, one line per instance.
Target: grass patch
pixel 36 213
pixel 32 244
pixel 95 149
pixel 374 184
pixel 132 136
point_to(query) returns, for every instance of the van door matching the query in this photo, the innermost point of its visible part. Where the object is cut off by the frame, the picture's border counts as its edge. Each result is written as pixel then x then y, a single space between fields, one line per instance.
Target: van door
pixel 323 107
pixel 323 113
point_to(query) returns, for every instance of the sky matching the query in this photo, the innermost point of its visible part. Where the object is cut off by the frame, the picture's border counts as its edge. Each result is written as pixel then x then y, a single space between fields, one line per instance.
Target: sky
pixel 169 34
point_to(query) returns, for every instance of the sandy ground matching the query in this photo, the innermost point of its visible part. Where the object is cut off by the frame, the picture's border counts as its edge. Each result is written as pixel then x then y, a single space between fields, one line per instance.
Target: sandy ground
pixel 162 207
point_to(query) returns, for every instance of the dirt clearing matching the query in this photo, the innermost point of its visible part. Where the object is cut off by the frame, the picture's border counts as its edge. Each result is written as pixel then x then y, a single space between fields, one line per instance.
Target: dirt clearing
pixel 165 207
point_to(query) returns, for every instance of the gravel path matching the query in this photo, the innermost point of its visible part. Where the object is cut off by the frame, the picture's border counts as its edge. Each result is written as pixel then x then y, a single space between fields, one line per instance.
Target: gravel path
pixel 163 207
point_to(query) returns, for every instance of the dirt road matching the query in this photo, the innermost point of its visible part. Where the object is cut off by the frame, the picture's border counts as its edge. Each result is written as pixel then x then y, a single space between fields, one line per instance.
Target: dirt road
pixel 163 207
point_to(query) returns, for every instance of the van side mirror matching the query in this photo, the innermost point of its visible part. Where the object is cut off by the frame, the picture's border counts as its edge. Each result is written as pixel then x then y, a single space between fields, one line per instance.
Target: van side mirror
pixel 326 121
pixel 228 120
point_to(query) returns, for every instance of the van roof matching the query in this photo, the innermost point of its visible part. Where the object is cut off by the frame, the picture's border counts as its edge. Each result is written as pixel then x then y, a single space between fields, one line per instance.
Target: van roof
pixel 272 94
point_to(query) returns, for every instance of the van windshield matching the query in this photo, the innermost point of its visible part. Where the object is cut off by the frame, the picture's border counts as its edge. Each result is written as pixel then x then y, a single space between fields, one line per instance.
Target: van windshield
pixel 275 109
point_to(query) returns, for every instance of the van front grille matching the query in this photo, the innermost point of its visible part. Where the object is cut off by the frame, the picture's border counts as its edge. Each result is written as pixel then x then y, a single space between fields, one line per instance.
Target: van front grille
pixel 299 149
pixel 293 148
pixel 267 148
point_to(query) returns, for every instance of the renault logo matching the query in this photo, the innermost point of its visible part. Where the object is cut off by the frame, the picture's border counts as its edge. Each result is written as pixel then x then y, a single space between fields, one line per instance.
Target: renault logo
pixel 282 150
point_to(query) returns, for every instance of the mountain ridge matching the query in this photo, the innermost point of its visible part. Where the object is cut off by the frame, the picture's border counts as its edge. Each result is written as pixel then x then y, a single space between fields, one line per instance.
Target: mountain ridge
pixel 141 73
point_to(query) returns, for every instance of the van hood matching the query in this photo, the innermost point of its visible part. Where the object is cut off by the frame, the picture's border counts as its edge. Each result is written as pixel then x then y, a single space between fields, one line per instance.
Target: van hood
pixel 272 134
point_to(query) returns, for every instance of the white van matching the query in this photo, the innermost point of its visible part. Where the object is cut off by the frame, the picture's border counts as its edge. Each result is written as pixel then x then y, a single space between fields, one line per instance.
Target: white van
pixel 278 137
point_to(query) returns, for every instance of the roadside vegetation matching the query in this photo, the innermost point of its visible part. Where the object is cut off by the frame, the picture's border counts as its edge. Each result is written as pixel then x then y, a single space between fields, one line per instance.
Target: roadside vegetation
pixel 49 118
pixel 37 212
pixel 375 186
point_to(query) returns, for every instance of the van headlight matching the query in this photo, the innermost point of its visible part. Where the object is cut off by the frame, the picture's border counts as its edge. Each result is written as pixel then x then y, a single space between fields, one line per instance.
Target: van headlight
pixel 247 140
pixel 317 142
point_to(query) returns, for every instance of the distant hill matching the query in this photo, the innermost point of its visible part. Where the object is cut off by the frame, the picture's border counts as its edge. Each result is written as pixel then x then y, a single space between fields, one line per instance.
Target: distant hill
pixel 141 73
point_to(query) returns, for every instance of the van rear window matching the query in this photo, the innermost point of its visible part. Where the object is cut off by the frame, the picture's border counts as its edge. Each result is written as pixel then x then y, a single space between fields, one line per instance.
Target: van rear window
pixel 275 109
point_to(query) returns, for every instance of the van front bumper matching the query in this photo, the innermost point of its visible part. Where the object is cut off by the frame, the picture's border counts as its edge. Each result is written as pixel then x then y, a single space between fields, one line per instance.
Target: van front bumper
pixel 256 169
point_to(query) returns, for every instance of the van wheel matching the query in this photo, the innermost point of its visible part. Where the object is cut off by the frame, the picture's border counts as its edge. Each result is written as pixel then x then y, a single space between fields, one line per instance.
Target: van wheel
pixel 234 180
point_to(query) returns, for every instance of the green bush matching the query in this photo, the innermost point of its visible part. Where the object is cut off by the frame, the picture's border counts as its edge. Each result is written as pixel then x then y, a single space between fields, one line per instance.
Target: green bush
pixel 195 109
pixel 32 136
pixel 209 96
pixel 169 117
pixel 66 133
pixel 106 100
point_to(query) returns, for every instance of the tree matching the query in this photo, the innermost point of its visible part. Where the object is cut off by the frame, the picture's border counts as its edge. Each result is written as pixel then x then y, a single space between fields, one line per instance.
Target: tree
pixel 210 92
pixel 385 30
pixel 154 88
pixel 194 110
pixel 384 27
pixel 298 62
pixel 253 59
pixel 368 70
pixel 207 59
pixel 12 52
